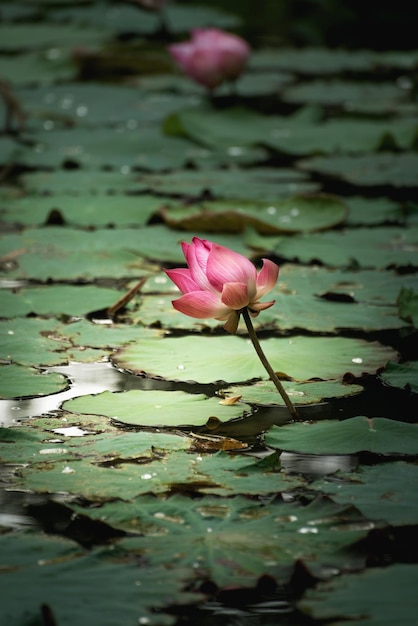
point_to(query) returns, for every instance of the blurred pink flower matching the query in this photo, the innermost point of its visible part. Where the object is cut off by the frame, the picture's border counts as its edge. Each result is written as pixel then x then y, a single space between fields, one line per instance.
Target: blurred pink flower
pixel 211 57
pixel 221 283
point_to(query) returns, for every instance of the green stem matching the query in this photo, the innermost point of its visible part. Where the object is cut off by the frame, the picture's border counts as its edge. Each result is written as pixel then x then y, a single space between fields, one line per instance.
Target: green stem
pixel 266 364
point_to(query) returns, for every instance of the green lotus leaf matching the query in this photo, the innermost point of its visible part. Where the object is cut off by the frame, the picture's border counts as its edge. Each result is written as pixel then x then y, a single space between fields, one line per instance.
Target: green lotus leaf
pixel 87 210
pixel 20 69
pixel 401 375
pixel 57 300
pixel 371 170
pixel 18 382
pixel 157 408
pixel 383 493
pixel 232 358
pixel 351 96
pixel 263 184
pixel 26 36
pixel 43 571
pixel 236 540
pixel 408 304
pixel 377 248
pixel 348 597
pixel 356 434
pixel 264 393
pixel 296 214
pixel 115 253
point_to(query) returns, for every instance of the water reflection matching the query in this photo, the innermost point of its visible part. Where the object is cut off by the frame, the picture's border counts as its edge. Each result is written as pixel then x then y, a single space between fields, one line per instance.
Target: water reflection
pixel 317 465
pixel 84 378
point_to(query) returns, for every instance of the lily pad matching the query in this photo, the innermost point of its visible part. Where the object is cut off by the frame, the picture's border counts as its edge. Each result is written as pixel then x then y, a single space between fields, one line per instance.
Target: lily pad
pixel 39 571
pixel 351 96
pixel 386 168
pixel 348 597
pixel 95 104
pixel 232 359
pixel 264 393
pixel 383 493
pixel 408 304
pixel 265 184
pixel 47 66
pixel 297 134
pixel 38 253
pixel 78 182
pixel 30 36
pixel 81 210
pixel 56 300
pixel 157 408
pixel 401 375
pixel 146 148
pixel 18 382
pixel 378 248
pixel 234 541
pixel 356 434
pixel 296 214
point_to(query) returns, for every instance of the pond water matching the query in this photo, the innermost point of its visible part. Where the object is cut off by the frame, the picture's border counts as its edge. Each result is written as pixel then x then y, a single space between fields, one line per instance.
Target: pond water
pixel 147 468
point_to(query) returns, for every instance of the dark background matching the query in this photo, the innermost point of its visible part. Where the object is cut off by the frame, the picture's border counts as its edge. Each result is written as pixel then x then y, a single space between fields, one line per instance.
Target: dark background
pixel 333 23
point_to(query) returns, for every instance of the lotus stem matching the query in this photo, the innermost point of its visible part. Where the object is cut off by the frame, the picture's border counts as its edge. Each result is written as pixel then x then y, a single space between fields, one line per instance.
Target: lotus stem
pixel 273 376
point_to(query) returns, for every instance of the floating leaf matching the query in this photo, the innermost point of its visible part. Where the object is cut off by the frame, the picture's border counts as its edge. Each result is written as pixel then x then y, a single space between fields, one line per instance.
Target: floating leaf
pixel 265 184
pixel 348 597
pixel 401 375
pixel 232 359
pixel 264 393
pixel 18 382
pixel 351 96
pixel 235 541
pixel 386 168
pixel 378 248
pixel 299 213
pixel 81 210
pixel 39 571
pixel 356 434
pixel 383 493
pixel 56 300
pixel 157 408
pixel 408 305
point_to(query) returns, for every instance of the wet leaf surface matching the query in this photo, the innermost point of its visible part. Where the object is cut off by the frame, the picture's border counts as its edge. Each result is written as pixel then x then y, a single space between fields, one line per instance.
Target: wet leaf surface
pixel 145 450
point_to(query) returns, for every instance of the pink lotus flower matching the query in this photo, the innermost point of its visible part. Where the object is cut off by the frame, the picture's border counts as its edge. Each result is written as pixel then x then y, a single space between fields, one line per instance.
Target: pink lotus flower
pixel 221 283
pixel 211 57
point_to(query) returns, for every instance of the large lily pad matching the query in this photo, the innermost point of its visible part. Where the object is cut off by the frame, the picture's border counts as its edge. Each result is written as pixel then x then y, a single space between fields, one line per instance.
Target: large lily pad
pixel 264 393
pixel 145 147
pixel 232 359
pixel 46 66
pixel 86 210
pixel 18 382
pixel 383 493
pixel 30 36
pixel 351 96
pixel 60 106
pixel 299 213
pixel 312 298
pixel 39 252
pixel 349 597
pixel 157 408
pixel 387 168
pixel 40 571
pixel 236 540
pixel 56 300
pixel 378 248
pixel 357 434
pixel 296 134
pixel 265 184
pixel 401 375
